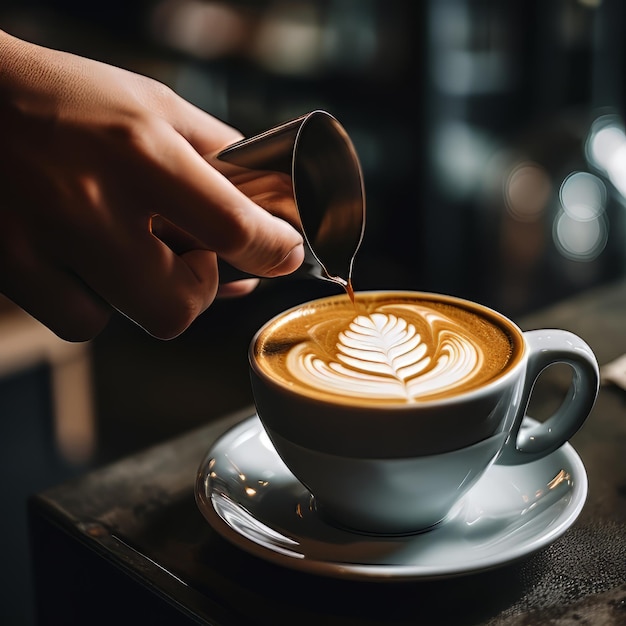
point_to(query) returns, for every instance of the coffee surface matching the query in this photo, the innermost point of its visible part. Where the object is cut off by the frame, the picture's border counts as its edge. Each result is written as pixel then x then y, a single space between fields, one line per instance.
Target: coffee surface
pixel 386 347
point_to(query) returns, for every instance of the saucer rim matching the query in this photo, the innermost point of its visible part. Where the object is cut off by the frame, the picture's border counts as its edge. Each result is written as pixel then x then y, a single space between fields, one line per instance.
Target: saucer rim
pixel 386 572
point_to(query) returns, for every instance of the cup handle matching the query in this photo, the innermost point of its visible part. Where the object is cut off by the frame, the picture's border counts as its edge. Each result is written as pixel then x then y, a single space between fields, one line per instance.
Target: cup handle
pixel 548 347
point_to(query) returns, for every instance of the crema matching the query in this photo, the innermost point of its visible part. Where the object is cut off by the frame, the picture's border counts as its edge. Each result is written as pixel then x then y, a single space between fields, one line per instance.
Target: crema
pixel 386 347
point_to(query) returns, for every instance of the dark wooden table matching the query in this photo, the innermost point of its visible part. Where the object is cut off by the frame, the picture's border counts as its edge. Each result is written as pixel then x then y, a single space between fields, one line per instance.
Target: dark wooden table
pixel 126 544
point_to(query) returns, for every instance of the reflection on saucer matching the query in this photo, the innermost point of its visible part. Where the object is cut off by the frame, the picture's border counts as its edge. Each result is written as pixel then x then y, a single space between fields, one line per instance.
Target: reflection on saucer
pixel 251 528
pixel 248 495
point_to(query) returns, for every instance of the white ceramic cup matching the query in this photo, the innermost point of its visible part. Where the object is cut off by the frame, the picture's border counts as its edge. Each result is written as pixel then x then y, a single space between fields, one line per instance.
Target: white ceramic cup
pixel 390 468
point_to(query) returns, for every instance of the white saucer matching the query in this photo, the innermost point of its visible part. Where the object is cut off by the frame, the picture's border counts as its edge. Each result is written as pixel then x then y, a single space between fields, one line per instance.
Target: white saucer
pixel 248 495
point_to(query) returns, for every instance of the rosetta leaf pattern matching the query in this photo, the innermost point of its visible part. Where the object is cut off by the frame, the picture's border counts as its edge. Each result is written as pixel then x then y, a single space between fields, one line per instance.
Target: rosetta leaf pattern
pixel 381 355
pixel 385 345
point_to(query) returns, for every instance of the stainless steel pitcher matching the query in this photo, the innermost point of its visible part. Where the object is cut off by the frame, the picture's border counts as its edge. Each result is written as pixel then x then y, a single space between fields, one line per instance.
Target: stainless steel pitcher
pixel 327 189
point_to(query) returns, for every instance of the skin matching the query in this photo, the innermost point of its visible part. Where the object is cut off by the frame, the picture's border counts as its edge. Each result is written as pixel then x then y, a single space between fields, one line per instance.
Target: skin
pixel 111 201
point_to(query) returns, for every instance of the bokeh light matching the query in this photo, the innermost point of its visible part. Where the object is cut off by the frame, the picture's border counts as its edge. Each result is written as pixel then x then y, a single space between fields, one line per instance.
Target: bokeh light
pixel 606 150
pixel 581 227
pixel 527 191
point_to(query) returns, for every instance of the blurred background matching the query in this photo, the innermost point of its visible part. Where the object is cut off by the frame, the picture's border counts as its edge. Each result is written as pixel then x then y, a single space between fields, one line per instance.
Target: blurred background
pixel 491 136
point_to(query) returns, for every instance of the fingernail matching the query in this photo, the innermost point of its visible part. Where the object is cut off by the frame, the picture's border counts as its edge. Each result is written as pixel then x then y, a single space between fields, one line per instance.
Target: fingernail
pixel 290 263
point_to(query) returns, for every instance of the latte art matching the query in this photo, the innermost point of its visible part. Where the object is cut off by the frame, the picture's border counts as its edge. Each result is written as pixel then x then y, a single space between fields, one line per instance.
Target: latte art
pixel 385 348
pixel 383 356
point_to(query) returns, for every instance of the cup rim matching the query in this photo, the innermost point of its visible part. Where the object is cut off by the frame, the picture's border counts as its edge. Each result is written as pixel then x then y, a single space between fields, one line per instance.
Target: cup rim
pixel 501 379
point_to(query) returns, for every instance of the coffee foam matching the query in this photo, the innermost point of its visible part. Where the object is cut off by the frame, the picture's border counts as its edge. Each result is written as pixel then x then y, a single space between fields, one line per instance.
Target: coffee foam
pixel 387 347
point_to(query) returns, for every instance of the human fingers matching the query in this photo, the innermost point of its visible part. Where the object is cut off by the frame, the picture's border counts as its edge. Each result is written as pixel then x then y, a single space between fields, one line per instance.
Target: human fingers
pixel 180 242
pixel 57 298
pixel 273 191
pixel 226 219
pixel 34 277
pixel 206 133
pixel 201 201
pixel 237 288
pixel 160 290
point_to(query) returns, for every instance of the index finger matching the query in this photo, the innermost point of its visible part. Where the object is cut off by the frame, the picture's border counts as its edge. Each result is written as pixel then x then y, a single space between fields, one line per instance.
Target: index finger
pixel 200 200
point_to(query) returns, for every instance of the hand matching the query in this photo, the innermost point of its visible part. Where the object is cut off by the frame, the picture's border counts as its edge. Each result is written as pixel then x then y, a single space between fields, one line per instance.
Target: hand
pixel 107 202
